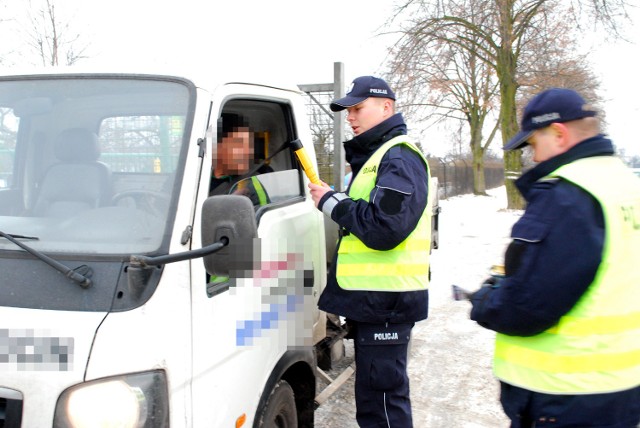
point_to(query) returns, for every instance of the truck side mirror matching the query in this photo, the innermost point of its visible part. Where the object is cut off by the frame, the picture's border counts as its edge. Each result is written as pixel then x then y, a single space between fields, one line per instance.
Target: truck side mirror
pixel 231 219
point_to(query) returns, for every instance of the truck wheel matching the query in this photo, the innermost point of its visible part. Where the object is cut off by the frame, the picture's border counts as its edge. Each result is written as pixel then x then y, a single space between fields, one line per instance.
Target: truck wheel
pixel 280 409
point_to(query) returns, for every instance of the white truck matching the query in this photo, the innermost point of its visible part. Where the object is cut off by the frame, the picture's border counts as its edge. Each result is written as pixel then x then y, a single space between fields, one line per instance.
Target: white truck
pixel 109 240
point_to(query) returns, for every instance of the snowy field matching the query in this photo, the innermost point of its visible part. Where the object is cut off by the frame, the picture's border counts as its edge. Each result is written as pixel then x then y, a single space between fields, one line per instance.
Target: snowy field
pixel 452 385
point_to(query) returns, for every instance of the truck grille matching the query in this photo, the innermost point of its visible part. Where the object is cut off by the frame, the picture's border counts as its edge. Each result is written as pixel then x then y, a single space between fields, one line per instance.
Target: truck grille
pixel 10 408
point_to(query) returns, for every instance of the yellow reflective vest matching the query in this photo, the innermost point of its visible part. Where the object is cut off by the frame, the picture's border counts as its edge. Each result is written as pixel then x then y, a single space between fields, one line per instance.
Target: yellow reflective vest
pixel 403 268
pixel 595 347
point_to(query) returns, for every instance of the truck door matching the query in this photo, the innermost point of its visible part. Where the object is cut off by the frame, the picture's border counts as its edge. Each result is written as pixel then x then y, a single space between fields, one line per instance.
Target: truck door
pixel 243 324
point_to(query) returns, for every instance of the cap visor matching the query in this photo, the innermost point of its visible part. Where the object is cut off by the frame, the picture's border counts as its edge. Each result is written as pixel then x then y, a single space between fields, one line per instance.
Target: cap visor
pixel 519 141
pixel 345 102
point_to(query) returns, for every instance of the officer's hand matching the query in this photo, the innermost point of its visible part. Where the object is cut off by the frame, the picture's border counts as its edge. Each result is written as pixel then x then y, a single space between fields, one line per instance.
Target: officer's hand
pixel 492 282
pixel 317 192
pixel 486 287
pixel 479 295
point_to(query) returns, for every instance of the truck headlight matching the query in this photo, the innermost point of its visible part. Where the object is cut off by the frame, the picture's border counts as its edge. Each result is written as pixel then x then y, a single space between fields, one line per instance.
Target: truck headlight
pixel 137 400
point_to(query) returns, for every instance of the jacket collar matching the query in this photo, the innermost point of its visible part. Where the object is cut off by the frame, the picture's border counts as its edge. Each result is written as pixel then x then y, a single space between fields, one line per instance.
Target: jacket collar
pixel 594 146
pixel 370 140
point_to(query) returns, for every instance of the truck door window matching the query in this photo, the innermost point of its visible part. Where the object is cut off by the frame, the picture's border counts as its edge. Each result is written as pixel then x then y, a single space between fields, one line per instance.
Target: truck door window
pixel 270 178
pixel 270 188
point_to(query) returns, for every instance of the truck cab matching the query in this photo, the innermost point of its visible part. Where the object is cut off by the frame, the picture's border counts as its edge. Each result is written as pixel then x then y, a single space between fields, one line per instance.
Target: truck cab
pixel 109 241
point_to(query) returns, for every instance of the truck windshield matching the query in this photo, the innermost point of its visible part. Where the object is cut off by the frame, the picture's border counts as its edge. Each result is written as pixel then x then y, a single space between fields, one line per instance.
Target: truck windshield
pixel 91 164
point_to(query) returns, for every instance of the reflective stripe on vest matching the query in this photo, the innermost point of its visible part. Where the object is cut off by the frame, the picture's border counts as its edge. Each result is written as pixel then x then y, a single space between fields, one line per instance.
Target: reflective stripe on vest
pixel 262 195
pixel 403 268
pixel 258 188
pixel 595 347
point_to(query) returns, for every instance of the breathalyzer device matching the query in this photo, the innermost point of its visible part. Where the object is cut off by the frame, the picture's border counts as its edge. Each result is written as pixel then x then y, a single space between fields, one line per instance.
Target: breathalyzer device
pixel 307 166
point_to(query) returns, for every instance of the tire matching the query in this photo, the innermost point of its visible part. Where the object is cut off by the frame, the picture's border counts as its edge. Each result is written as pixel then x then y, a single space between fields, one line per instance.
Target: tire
pixel 280 409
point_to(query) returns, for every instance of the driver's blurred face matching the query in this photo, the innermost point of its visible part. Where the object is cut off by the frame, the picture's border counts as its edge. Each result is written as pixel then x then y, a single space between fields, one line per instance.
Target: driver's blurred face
pixel 235 152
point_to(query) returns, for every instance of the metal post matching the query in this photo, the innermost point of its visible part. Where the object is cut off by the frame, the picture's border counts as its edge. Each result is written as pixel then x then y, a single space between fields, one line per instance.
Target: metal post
pixel 444 176
pixel 338 128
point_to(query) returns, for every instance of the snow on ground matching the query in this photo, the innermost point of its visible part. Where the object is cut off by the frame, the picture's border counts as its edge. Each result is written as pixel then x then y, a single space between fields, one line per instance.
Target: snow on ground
pixel 452 385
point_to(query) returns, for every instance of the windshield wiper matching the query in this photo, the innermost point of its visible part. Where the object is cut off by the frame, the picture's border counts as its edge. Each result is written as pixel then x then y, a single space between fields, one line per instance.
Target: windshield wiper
pixel 80 274
pixel 32 238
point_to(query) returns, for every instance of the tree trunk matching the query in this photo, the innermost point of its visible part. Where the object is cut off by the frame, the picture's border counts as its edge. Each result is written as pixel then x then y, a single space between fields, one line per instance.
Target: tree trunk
pixel 512 159
pixel 479 184
pixel 506 70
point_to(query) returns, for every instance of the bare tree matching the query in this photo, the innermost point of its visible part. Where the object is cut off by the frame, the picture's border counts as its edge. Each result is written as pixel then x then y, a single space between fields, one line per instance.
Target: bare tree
pixel 322 134
pixel 503 40
pixel 3 25
pixel 461 86
pixel 51 38
pixel 321 121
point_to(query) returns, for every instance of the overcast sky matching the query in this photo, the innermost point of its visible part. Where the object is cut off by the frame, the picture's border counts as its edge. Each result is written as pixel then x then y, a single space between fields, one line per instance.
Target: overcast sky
pixel 294 41
pixel 288 39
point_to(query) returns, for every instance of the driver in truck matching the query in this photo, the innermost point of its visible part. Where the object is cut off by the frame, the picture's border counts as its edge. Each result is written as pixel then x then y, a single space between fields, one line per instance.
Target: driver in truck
pixel 232 161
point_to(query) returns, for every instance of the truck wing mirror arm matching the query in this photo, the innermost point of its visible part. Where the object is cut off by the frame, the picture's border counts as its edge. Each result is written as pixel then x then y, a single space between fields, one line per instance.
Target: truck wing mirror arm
pixel 227 221
pixel 146 262
pixel 140 267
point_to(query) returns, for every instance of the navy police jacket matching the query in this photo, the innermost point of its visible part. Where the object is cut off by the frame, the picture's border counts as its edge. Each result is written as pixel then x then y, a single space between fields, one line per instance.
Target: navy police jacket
pixel 381 224
pixel 550 266
pixel 546 277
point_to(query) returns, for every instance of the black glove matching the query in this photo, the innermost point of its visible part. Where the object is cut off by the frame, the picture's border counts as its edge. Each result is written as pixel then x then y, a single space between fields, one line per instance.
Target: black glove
pixel 488 284
pixel 492 282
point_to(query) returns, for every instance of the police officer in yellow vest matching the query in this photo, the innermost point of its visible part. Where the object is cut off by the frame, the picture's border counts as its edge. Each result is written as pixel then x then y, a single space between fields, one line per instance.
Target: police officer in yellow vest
pixel 379 277
pixel 567 314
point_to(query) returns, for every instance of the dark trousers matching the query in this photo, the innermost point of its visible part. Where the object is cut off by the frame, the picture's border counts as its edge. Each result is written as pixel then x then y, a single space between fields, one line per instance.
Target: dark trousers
pixel 528 409
pixel 382 384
